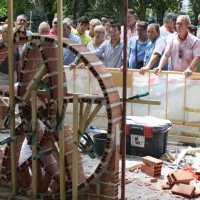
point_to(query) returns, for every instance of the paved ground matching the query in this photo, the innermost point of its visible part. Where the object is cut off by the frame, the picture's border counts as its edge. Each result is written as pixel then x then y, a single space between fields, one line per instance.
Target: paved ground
pixel 139 186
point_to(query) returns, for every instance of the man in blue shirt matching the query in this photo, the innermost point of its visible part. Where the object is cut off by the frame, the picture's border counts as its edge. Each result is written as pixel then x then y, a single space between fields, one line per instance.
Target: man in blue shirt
pixel 137 46
pixel 112 49
pixel 68 56
pixel 154 50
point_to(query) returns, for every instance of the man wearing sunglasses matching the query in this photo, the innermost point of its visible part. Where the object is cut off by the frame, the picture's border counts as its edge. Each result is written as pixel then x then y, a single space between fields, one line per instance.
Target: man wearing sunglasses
pixel 182 48
pixel 104 19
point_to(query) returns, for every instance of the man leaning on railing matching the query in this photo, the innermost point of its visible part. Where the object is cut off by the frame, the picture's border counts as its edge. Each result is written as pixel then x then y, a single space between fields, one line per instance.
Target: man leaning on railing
pixel 182 48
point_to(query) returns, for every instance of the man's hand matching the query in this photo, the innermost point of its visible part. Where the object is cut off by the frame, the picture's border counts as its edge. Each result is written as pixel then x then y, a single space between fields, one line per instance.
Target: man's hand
pixel 81 65
pixel 156 70
pixel 72 66
pixel 143 70
pixel 121 69
pixel 187 73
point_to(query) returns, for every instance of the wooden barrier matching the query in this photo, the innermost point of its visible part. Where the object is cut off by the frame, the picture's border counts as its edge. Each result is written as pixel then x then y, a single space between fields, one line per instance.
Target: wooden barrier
pixel 170 88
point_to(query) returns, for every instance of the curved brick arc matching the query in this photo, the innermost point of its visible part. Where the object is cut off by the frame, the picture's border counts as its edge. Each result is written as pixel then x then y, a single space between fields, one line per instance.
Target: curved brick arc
pixel 45 48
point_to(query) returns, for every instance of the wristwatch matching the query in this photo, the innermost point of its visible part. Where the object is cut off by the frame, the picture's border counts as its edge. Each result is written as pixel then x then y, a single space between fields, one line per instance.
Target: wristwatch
pixel 75 62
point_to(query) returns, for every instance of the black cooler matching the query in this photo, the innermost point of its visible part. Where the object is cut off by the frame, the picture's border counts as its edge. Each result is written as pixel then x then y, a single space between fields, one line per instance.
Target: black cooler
pixel 146 136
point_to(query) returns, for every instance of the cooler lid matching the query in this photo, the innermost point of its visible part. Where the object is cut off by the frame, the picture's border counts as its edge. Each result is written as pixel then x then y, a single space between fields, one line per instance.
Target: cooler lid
pixel 158 125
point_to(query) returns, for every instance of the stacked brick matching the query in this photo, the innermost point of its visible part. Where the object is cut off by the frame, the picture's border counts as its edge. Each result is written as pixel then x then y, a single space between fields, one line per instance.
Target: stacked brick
pixel 151 166
pixel 178 182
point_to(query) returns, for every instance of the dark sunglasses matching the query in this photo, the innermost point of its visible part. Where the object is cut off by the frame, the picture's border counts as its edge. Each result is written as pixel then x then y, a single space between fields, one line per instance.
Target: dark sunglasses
pixel 55 22
pixel 21 32
pixel 180 53
pixel 104 20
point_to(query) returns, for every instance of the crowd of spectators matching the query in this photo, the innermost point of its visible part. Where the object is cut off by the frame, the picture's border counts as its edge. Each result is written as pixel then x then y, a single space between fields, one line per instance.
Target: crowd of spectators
pixel 173 46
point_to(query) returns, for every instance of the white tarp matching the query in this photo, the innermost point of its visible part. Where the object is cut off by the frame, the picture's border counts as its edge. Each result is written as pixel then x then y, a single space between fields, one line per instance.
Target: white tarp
pixel 172 97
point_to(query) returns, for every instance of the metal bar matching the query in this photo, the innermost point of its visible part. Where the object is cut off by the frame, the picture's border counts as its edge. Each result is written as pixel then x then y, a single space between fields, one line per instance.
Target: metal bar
pixel 166 97
pixel 11 95
pixel 124 102
pixel 34 146
pixel 60 97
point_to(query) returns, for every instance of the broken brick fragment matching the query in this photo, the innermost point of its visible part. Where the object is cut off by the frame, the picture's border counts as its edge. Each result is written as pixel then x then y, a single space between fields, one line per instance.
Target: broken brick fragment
pixel 134 167
pixel 166 187
pixel 153 180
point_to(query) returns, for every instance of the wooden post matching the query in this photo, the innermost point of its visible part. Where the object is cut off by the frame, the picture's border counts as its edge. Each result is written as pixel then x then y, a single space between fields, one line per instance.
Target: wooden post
pixel 75 149
pixel 11 94
pixel 60 97
pixel 34 146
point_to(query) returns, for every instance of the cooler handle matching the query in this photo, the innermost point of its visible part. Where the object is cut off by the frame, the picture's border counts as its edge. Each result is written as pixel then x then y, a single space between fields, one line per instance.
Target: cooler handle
pixel 170 128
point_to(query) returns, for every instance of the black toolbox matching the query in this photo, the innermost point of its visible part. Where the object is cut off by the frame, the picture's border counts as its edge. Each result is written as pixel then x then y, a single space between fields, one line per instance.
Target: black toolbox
pixel 146 136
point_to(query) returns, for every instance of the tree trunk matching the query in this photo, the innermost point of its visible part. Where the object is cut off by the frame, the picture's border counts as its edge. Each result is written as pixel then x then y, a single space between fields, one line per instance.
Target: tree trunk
pixel 142 12
pixel 36 3
pixel 196 8
pixel 74 8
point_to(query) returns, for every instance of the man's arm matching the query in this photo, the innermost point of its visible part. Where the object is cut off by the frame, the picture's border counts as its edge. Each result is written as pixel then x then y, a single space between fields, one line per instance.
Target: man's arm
pixel 162 63
pixel 152 61
pixel 188 72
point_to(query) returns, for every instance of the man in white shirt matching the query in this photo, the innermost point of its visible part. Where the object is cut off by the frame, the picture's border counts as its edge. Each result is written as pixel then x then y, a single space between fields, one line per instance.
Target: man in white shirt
pixel 22 20
pixel 167 28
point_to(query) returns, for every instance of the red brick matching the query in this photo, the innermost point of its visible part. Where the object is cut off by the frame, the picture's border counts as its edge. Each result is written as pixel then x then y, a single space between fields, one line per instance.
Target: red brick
pixel 55 186
pixel 149 171
pixel 196 193
pixel 165 186
pixel 113 164
pixel 108 189
pixel 45 183
pixel 92 189
pixel 109 177
pixel 182 177
pixel 183 189
pixel 25 178
pixel 152 161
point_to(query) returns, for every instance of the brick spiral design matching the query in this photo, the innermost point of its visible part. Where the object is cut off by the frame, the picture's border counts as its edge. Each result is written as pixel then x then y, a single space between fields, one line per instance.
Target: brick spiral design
pixel 40 47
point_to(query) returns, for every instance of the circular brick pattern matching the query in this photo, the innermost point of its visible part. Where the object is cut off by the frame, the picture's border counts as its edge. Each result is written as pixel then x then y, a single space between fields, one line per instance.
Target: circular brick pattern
pixel 45 48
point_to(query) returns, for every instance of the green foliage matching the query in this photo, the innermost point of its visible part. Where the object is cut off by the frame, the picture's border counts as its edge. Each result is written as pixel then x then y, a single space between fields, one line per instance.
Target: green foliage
pixel 38 16
pixel 191 12
pixel 20 7
pixel 145 9
pixel 3 8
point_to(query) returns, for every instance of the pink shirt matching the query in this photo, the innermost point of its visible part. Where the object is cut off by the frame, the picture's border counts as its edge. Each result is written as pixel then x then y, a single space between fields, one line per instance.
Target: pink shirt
pixel 130 33
pixel 190 48
pixel 51 32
